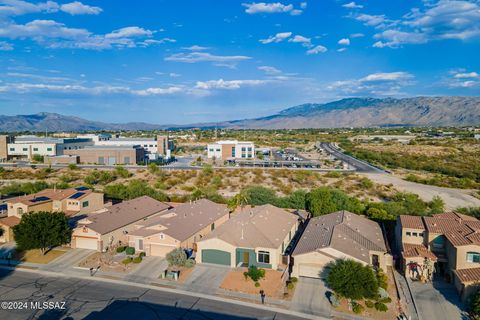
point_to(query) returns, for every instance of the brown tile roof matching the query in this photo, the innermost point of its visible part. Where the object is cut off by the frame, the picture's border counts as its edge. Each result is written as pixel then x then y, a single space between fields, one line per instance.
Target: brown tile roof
pixel 417 250
pixel 10 221
pixel 262 226
pixel 454 216
pixel 49 195
pixel 412 222
pixel 468 275
pixel 184 220
pixel 344 231
pixel 125 213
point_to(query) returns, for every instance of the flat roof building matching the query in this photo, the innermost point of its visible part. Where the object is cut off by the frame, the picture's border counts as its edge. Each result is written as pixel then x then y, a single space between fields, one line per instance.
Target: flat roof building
pixel 231 150
pixel 110 155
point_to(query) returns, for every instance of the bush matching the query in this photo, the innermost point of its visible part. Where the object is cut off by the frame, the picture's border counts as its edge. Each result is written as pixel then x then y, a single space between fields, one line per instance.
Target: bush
pixel 382 293
pixel 137 259
pixel 352 280
pixel 177 257
pixel 357 308
pixel 257 284
pixel 475 306
pixel 382 279
pixel 130 250
pixel 369 304
pixel 255 273
pixel 290 286
pixel 142 254
pixel 381 307
pixel 127 260
pixel 294 279
pixel 189 263
pixel 121 249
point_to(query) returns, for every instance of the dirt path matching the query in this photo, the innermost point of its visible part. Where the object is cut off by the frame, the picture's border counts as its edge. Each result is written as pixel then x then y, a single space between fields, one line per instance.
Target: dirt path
pixel 453 198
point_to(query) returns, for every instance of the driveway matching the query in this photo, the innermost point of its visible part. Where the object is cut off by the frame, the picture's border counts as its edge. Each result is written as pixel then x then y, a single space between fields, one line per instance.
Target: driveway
pixel 206 278
pixel 68 260
pixel 437 301
pixel 310 298
pixel 148 270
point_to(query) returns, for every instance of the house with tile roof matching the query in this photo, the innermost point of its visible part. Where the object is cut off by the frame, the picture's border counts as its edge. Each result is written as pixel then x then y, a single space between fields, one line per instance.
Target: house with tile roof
pixel 180 227
pixel 110 226
pixel 450 241
pixel 71 201
pixel 254 236
pixel 338 235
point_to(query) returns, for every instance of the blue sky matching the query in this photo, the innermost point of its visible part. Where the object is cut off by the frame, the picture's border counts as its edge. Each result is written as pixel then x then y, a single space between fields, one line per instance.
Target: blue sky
pixel 211 60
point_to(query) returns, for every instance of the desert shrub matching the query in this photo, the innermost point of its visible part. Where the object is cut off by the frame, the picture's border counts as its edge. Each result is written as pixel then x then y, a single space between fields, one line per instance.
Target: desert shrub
pixel 137 259
pixel 122 172
pixel 142 254
pixel 294 279
pixel 357 308
pixel 290 285
pixel 257 284
pixel 130 250
pixel 369 304
pixel 381 306
pixel 382 279
pixel 121 249
pixel 474 307
pixel 189 263
pixel 177 257
pixel 382 293
pixel 256 273
pixel 127 260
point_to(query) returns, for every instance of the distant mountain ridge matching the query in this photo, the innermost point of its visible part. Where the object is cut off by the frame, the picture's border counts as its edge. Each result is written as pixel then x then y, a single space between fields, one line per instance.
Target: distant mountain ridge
pixel 350 112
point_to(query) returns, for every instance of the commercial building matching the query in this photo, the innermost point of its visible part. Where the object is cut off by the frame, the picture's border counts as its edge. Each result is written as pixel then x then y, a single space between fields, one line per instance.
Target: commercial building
pixel 339 235
pixel 446 244
pixel 109 155
pixel 255 236
pixel 110 226
pixel 231 150
pixel 180 227
pixel 25 147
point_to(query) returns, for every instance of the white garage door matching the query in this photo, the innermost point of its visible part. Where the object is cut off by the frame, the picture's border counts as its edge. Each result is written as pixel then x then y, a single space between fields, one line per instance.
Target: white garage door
pixel 159 250
pixel 86 243
pixel 310 270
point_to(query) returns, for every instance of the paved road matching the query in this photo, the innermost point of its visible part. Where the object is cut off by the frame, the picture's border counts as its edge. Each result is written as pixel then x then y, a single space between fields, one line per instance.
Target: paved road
pixel 310 297
pixel 88 299
pixel 361 166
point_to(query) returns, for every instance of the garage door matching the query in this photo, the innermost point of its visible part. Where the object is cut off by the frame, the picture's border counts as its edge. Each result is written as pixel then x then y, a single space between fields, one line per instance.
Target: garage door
pixel 86 243
pixel 216 257
pixel 310 270
pixel 159 250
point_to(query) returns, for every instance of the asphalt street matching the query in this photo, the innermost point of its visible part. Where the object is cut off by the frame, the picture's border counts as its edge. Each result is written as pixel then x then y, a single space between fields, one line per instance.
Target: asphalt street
pixel 90 299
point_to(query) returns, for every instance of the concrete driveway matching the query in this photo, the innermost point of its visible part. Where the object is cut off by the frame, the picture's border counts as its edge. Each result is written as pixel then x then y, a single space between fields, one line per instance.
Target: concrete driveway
pixel 309 297
pixel 437 301
pixel 206 278
pixel 68 260
pixel 148 270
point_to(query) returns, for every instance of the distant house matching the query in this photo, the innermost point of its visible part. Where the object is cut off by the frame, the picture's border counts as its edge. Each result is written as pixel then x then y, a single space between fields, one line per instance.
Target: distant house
pixel 339 235
pixel 255 236
pixel 72 201
pixel 180 227
pixel 110 226
pixel 450 241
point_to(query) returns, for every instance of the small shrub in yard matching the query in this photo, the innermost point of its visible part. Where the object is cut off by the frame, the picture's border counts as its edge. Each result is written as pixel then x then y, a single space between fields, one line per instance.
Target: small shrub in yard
pixel 357 308
pixel 381 306
pixel 189 263
pixel 127 260
pixel 130 250
pixel 142 254
pixel 385 300
pixel 255 273
pixel 137 259
pixel 121 249
pixel 257 284
pixel 177 257
pixel 245 274
pixel 290 286
pixel 369 304
pixel 294 279
pixel 383 294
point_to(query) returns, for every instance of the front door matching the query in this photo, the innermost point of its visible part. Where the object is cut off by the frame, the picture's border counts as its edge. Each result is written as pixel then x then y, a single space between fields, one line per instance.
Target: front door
pixel 375 261
pixel 138 244
pixel 246 259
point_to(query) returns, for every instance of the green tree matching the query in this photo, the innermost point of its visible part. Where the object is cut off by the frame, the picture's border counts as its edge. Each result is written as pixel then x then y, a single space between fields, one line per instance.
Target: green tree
pixel 259 195
pixel 326 200
pixel 437 205
pixel 352 280
pixel 475 306
pixel 42 230
pixel 379 215
pixel 37 158
pixel 177 257
pixel 122 172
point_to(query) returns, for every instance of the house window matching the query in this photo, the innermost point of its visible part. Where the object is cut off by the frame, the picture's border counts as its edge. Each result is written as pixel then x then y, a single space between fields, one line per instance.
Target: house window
pixel 212 226
pixel 263 256
pixel 25 149
pixel 249 148
pixel 473 257
pixel 244 149
pixel 49 149
pixel 415 234
pixel 409 233
pixel 218 150
pixel 233 152
pixel 85 204
pixel 162 236
pixel 420 234
pixel 35 149
pixel 20 211
pixel 151 146
pixel 211 150
pixel 12 149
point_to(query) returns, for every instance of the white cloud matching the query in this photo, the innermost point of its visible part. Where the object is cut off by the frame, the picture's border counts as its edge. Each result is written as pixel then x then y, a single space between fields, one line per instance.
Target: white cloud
pixel 195 48
pixel 341 49
pixel 77 8
pixel 377 21
pixel 129 32
pixel 303 5
pixel 357 35
pixel 277 7
pixel 306 42
pixel 466 75
pixel 277 38
pixel 461 78
pixel 387 76
pixel 381 83
pixel 316 50
pixel 174 75
pixel 344 42
pixel 394 38
pixel 19 7
pixel 352 5
pixel 194 57
pixel 228 84
pixel 269 70
pixel 5 46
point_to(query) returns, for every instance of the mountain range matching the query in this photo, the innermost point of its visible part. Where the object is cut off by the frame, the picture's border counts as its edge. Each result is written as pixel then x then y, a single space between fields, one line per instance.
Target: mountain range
pixel 350 112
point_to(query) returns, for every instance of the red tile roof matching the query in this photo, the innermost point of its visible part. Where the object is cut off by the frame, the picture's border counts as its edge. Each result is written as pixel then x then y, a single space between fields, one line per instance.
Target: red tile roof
pixel 412 222
pixel 10 221
pixel 468 275
pixel 417 250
